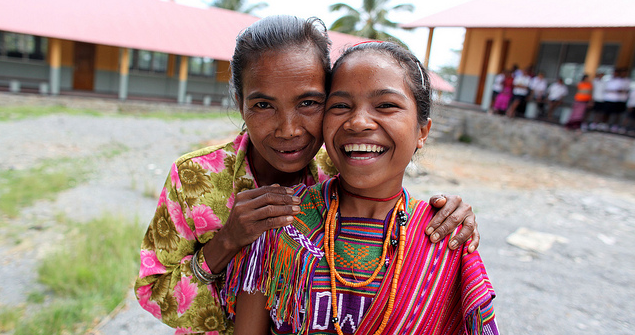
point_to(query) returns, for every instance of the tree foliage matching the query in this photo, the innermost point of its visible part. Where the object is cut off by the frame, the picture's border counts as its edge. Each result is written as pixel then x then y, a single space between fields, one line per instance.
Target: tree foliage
pixel 238 5
pixel 370 21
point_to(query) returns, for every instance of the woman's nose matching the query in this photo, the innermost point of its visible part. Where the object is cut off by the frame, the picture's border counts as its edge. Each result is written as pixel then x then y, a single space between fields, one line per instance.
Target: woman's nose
pixel 289 125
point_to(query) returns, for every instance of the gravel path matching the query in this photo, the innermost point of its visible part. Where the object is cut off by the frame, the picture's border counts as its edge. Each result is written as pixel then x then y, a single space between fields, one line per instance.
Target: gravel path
pixel 583 283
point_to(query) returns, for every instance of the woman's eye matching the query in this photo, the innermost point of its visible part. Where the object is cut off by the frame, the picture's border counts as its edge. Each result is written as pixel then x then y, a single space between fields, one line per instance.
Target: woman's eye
pixel 308 103
pixel 262 105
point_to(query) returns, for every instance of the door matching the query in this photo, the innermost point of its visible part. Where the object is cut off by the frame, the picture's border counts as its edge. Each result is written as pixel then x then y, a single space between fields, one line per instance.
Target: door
pixel 483 75
pixel 84 66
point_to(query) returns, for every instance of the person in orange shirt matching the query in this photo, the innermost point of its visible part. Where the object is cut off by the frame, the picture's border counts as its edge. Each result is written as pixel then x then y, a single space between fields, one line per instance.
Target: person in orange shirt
pixel 581 103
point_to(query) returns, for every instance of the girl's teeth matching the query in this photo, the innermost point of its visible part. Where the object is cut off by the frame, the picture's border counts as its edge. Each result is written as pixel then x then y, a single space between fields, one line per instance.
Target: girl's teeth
pixel 363 148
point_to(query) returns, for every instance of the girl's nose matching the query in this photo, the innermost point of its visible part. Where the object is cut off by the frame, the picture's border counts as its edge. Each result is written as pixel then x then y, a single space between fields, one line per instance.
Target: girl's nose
pixel 359 121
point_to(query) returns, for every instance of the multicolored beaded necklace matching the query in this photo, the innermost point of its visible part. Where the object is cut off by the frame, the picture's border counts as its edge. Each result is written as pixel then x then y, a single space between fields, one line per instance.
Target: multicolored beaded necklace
pixel 329 248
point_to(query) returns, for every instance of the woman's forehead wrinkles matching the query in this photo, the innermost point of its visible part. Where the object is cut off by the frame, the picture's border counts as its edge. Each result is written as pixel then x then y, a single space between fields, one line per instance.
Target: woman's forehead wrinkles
pixel 312 94
pixel 260 95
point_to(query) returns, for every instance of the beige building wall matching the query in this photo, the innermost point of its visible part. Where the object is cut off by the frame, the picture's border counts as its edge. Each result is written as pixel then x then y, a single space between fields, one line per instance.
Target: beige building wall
pixel 521 47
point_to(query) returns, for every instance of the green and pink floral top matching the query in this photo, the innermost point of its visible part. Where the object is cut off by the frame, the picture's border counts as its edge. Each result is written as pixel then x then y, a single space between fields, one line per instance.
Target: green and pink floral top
pixel 194 204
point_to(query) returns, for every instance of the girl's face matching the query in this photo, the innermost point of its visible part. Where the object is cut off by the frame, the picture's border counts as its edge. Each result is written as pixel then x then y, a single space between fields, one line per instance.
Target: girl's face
pixel 283 106
pixel 370 124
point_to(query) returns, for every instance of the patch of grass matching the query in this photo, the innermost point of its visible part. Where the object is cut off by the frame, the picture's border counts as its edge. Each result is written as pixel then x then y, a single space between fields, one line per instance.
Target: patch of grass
pixel 151 191
pixel 114 149
pixel 61 317
pixel 10 113
pixel 36 297
pixel 187 115
pixel 21 188
pixel 89 276
pixel 9 317
pixel 464 138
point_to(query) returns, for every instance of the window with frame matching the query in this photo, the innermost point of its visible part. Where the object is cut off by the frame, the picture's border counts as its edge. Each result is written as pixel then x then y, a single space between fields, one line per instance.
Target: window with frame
pixel 21 46
pixel 201 66
pixel 148 61
pixel 565 60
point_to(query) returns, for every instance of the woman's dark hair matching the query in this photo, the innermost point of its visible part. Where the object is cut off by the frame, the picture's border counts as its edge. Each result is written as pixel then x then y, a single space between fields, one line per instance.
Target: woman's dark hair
pixel 416 78
pixel 277 33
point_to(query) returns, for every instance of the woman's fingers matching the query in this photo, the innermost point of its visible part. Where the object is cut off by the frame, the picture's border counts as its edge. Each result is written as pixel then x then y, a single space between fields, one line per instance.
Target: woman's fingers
pixel 467 230
pixel 266 195
pixel 273 216
pixel 447 206
pixel 453 211
pixel 476 239
pixel 258 210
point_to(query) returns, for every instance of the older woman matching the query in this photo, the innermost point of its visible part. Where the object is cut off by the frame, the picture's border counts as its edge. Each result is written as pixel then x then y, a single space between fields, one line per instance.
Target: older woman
pixel 218 199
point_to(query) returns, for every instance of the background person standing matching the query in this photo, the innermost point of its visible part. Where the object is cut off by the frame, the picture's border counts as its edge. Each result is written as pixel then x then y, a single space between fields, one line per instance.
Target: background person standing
pixel 555 94
pixel 581 103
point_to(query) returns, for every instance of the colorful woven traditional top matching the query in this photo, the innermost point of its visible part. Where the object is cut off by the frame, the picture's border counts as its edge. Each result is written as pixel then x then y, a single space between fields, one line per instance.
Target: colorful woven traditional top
pixel 358 250
pixel 441 291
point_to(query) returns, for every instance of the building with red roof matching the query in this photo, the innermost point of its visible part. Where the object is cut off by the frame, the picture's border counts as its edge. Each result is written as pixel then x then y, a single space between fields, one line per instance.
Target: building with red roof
pixel 564 38
pixel 124 48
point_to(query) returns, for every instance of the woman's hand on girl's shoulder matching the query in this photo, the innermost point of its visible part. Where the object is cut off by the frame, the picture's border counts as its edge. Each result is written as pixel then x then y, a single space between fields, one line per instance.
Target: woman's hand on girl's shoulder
pixel 452 212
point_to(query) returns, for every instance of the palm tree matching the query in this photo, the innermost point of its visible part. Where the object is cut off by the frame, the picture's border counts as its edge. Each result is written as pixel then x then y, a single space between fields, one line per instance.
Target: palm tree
pixel 369 21
pixel 238 5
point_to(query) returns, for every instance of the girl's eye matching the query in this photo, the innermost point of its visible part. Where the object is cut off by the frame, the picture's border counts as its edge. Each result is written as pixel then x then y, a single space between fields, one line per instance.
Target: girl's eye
pixel 338 105
pixel 387 105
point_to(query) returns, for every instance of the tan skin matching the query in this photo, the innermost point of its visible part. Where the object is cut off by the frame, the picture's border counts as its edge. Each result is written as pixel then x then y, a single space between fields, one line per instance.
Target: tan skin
pixel 369 104
pixel 282 106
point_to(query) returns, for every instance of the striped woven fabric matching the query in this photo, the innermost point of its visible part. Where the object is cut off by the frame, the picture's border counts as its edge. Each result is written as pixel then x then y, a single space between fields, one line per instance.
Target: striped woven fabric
pixel 358 249
pixel 440 291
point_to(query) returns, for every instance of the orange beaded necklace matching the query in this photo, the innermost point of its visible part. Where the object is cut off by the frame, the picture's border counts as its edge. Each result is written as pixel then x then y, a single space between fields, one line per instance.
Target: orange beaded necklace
pixel 329 248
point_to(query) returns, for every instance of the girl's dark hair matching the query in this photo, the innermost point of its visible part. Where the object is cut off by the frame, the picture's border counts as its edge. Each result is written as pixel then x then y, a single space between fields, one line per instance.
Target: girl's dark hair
pixel 416 78
pixel 278 33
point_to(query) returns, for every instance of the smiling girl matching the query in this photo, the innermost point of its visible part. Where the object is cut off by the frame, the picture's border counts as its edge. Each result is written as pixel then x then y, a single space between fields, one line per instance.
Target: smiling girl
pixel 356 259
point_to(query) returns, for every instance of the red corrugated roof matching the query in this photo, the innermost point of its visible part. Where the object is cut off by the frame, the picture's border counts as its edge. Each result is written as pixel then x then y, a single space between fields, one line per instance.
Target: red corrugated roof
pixel 533 14
pixel 439 83
pixel 139 24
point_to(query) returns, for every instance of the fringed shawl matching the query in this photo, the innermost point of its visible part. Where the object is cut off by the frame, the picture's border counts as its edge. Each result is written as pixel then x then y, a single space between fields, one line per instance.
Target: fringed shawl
pixel 281 263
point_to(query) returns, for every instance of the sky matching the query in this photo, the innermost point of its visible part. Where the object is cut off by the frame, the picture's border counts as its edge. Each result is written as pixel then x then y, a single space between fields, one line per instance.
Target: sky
pixel 443 40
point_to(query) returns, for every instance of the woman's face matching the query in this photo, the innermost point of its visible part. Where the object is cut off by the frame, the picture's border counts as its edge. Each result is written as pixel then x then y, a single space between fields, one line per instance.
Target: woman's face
pixel 370 124
pixel 283 106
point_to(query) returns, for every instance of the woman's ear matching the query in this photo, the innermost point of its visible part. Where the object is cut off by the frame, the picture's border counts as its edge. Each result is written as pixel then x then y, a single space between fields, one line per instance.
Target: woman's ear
pixel 424 130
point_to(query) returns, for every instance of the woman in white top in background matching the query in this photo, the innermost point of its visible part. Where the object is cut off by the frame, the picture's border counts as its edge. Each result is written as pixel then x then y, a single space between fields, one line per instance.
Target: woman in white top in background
pixel 615 96
pixel 598 101
pixel 520 91
pixel 555 94
pixel 538 88
pixel 497 87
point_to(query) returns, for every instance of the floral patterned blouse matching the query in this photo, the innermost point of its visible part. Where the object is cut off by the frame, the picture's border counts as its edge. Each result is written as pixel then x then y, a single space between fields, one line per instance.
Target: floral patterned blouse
pixel 195 203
